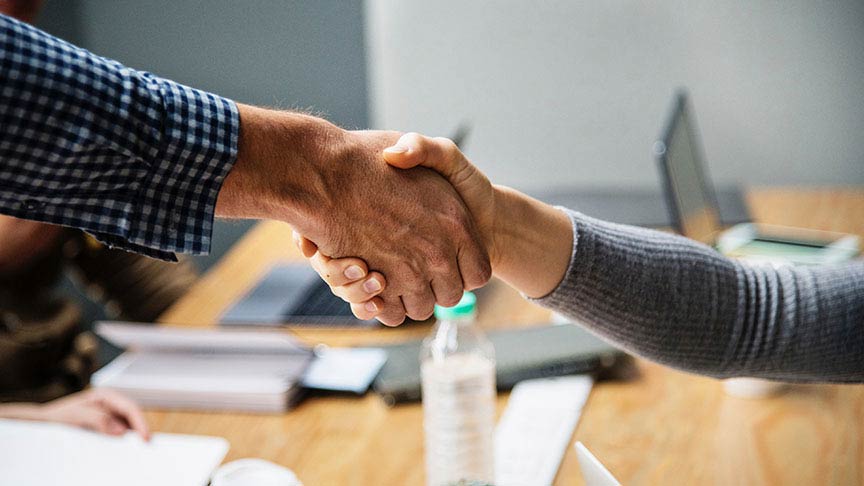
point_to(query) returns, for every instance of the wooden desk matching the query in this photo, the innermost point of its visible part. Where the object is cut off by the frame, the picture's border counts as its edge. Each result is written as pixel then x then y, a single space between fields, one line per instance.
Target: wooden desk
pixel 664 427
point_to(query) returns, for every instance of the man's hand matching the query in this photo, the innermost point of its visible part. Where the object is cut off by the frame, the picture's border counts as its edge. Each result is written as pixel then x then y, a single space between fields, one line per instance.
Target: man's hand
pixel 97 410
pixel 333 186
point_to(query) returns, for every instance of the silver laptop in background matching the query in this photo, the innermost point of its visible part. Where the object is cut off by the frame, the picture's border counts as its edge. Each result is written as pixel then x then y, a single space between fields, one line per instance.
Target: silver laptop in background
pixel 695 212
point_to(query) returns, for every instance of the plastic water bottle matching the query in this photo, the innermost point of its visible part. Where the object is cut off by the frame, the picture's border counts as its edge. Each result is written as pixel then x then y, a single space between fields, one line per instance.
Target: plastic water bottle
pixel 458 369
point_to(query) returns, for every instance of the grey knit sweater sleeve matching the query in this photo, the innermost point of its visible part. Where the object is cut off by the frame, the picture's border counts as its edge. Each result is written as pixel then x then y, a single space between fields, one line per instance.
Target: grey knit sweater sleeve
pixel 682 304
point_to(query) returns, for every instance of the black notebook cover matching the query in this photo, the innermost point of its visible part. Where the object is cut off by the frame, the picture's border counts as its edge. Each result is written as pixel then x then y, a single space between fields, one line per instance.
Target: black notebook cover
pixel 521 354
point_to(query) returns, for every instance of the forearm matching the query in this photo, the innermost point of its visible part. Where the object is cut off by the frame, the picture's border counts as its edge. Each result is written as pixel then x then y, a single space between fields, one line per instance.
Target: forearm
pixel 683 304
pixel 531 243
pixel 21 411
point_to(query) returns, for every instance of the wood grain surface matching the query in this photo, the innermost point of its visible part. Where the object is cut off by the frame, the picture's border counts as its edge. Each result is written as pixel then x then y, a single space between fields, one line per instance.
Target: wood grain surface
pixel 662 427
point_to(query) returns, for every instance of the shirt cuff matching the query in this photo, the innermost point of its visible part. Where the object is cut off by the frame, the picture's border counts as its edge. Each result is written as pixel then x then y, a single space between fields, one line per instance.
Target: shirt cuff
pixel 562 295
pixel 174 207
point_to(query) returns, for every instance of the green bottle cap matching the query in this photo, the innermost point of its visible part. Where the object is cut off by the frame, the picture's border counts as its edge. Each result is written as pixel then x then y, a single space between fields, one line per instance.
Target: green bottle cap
pixel 464 308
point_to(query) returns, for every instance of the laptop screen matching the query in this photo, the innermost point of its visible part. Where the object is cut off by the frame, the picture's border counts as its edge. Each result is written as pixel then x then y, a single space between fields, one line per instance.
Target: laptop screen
pixel 689 193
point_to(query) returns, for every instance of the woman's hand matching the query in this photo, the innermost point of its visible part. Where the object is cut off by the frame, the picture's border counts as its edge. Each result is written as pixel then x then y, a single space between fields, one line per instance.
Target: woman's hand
pixel 443 156
pixel 94 409
pixel 348 278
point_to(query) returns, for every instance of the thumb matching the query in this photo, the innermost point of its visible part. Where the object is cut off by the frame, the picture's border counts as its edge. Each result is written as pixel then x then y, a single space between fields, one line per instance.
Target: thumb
pixel 438 154
pixel 409 151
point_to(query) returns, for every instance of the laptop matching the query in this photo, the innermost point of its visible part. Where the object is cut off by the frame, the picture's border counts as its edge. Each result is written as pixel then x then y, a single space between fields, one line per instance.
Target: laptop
pixel 292 294
pixel 695 212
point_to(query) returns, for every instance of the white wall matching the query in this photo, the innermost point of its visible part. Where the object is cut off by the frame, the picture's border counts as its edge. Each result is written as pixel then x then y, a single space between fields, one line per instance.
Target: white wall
pixel 573 93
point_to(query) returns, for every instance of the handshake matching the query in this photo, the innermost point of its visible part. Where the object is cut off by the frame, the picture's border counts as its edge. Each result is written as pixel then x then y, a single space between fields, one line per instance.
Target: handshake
pixel 394 223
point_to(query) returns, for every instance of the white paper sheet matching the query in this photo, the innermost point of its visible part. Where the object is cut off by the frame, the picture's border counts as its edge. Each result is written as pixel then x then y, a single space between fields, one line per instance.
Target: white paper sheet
pixel 345 369
pixel 45 453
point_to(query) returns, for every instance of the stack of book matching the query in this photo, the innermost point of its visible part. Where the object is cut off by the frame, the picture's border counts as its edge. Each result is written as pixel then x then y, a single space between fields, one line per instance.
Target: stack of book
pixel 173 368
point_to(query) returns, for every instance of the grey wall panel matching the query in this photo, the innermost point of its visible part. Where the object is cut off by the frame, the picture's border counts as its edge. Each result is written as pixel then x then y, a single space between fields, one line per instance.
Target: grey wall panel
pixel 570 93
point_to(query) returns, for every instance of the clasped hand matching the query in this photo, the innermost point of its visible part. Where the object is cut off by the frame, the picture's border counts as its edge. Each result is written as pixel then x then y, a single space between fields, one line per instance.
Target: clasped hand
pixel 367 291
pixel 427 219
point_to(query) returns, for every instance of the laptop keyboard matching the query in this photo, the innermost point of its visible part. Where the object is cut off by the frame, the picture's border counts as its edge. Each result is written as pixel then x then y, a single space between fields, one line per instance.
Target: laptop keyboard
pixel 320 307
pixel 293 294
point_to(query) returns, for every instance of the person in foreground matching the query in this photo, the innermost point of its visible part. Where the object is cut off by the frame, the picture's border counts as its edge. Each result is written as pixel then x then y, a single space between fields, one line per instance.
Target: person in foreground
pixel 101 411
pixel 658 295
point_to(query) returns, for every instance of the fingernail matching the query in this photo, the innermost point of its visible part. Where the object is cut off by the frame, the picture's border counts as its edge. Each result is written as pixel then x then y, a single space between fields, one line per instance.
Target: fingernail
pixel 371 307
pixel 372 285
pixel 354 272
pixel 396 149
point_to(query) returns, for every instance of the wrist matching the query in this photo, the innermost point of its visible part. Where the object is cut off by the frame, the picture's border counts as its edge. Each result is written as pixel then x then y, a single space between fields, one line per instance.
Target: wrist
pixel 280 161
pixel 22 411
pixel 533 242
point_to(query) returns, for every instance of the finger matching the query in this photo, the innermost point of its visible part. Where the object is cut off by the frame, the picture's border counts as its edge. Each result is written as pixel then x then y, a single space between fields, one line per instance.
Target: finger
pixel 369 309
pixel 392 311
pixel 447 286
pixel 338 272
pixel 419 305
pixel 99 420
pixel 114 426
pixel 126 410
pixel 362 290
pixel 306 247
pixel 474 265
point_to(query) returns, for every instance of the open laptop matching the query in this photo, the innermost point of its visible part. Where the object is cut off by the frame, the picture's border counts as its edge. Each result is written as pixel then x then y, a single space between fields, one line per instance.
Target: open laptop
pixel 695 212
pixel 292 293
pixel 689 193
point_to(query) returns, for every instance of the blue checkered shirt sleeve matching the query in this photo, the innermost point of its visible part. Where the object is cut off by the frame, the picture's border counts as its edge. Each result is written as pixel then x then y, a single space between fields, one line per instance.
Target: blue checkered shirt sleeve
pixel 131 158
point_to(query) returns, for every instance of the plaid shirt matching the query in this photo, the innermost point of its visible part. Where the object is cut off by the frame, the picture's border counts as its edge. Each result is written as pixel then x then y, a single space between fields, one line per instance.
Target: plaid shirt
pixel 131 158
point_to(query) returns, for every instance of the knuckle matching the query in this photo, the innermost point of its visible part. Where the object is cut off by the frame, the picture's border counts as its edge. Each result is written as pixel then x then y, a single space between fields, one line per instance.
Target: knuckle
pixel 449 300
pixel 413 136
pixel 449 295
pixel 411 275
pixel 104 422
pixel 422 313
pixel 479 275
pixel 355 296
pixel 438 259
pixel 447 145
pixel 359 311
